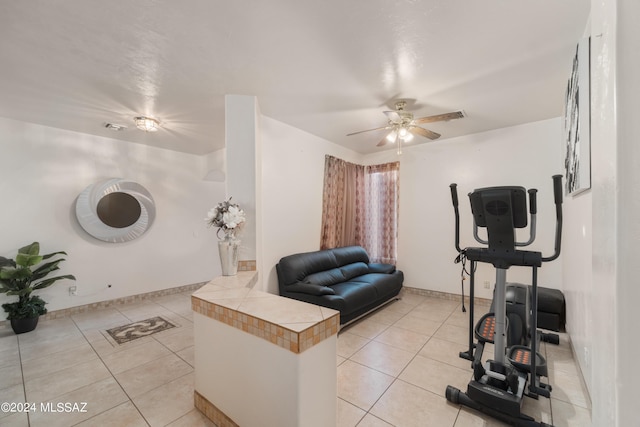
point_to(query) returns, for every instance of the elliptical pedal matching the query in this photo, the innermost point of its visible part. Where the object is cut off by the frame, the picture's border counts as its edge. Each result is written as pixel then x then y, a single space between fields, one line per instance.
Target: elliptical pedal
pixel 520 358
pixel 486 328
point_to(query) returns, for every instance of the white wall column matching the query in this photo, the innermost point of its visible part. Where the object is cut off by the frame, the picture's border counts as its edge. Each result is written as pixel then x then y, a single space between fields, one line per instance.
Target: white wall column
pixel 242 130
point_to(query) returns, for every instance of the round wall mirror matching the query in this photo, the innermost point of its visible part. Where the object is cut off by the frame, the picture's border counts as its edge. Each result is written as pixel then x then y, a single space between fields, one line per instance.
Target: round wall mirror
pixel 115 210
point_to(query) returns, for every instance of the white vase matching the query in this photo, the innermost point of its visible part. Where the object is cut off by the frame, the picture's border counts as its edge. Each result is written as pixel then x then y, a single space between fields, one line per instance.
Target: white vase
pixel 228 249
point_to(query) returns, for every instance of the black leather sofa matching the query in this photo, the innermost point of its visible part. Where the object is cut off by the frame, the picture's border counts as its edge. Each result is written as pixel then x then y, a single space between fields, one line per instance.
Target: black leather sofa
pixel 342 279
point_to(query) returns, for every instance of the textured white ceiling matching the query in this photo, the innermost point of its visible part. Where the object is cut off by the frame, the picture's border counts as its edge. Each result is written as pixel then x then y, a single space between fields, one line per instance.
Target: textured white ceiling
pixel 327 67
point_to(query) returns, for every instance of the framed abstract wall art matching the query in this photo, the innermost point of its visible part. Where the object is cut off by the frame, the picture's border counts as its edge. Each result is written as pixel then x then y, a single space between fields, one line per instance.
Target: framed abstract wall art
pixel 577 123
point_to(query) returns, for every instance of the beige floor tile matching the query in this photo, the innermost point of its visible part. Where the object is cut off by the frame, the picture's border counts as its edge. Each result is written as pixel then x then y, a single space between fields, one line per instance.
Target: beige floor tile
pixel 405 405
pixel 403 339
pixel 13 394
pixel 470 418
pixel 569 388
pixel 174 303
pixel 50 330
pixel 366 328
pixel 539 409
pixel 411 298
pixel 49 386
pixel 193 418
pixel 373 421
pixel 50 345
pixel 178 340
pixel 445 351
pixel 187 354
pixel 8 340
pixel 99 396
pixel 349 343
pixel 100 319
pixel 383 357
pixel 15 420
pixel 144 378
pixel 418 324
pixel 432 312
pixel 168 402
pixel 387 317
pixel 400 306
pixel 460 318
pixel 435 376
pixel 565 414
pixel 10 376
pixel 142 310
pixel 348 415
pixel 124 360
pixel 453 333
pixel 122 415
pixel 50 363
pixel 361 386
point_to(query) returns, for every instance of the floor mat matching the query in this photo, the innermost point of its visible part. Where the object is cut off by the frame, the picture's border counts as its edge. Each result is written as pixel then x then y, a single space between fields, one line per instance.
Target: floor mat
pixel 143 328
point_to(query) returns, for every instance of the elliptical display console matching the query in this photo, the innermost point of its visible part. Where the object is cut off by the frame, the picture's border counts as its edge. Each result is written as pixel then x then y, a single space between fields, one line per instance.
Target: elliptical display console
pixel 499 386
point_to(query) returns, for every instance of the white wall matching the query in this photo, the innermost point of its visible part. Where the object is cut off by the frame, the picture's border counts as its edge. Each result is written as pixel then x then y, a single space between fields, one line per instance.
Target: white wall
pixel 292 180
pixel 44 169
pixel 526 155
pixel 628 225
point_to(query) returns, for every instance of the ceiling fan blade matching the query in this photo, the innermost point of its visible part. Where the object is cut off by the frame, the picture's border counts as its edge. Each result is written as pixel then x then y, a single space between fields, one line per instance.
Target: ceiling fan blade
pixel 393 116
pixel 424 132
pixel 383 141
pixel 370 130
pixel 440 117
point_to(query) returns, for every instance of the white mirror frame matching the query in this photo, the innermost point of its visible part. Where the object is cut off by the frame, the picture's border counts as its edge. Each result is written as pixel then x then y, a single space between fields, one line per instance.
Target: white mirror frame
pixel 87 214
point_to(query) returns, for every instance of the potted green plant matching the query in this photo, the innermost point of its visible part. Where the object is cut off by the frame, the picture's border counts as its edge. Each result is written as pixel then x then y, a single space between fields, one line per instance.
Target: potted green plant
pixel 22 276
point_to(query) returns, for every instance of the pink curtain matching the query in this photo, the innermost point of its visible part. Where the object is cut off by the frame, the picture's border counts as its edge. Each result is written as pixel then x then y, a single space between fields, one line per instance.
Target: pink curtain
pixel 360 207
pixel 342 203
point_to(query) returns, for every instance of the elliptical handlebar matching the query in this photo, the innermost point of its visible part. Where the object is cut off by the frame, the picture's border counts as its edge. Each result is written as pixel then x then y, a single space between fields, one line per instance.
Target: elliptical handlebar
pixel 533 201
pixel 533 208
pixel 557 198
pixel 454 200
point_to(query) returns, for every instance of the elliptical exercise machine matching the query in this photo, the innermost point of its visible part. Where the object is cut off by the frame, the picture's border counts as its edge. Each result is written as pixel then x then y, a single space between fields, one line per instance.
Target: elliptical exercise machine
pixel 498 388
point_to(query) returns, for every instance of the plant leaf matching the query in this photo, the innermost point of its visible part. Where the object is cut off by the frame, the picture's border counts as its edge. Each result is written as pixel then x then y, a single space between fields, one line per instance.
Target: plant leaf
pixel 32 249
pixel 47 256
pixel 46 268
pixel 28 260
pixel 6 262
pixel 48 282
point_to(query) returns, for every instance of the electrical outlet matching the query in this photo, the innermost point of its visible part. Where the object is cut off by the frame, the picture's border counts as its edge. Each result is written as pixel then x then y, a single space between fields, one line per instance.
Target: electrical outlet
pixel 487 284
pixel 73 291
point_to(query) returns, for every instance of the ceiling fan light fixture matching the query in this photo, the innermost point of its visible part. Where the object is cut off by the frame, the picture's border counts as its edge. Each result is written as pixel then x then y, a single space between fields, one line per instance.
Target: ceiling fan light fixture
pixel 392 136
pixel 408 137
pixel 147 124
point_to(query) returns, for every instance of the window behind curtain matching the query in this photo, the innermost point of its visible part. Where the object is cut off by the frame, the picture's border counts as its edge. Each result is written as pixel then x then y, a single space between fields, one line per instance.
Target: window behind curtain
pixel 360 207
pixel 380 216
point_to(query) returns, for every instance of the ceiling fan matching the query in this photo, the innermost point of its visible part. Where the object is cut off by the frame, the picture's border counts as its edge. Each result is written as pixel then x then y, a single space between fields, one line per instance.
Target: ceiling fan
pixel 403 126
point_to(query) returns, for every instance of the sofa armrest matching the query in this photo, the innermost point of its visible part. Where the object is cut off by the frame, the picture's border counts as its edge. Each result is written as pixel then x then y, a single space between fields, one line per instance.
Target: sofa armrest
pixel 309 288
pixel 381 268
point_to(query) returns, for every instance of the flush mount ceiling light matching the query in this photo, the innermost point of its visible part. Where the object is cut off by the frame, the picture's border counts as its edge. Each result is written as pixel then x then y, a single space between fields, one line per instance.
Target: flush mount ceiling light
pixel 147 124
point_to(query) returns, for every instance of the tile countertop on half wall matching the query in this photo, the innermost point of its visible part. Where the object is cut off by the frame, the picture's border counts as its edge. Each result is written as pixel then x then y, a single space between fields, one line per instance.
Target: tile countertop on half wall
pixel 295 370
pixel 288 323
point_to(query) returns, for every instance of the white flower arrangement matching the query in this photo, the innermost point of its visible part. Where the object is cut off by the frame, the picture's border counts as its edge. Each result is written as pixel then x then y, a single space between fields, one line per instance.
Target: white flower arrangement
pixel 227 216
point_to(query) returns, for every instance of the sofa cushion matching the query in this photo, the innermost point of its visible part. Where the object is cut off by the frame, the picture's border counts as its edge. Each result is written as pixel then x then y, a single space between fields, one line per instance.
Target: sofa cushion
pixel 381 268
pixel 294 268
pixel 384 284
pixel 310 289
pixel 325 278
pixel 349 255
pixel 354 295
pixel 356 269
